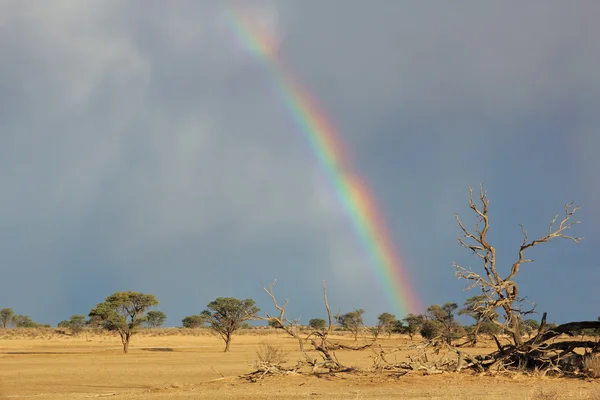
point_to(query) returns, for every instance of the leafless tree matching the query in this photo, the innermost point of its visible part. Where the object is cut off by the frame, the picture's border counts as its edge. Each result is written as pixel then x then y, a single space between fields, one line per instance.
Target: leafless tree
pixel 318 338
pixel 503 292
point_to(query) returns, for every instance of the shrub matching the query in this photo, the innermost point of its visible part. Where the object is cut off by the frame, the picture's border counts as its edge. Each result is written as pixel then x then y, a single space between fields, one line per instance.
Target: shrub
pixel 545 394
pixel 430 329
pixel 269 354
pixel 591 364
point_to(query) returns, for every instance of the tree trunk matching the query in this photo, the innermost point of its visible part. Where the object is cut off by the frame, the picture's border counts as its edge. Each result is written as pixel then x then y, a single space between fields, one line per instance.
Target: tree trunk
pixel 125 336
pixel 227 342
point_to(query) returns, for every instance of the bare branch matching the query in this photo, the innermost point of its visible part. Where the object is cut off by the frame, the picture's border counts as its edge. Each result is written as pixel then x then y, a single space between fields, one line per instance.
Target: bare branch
pixel 553 233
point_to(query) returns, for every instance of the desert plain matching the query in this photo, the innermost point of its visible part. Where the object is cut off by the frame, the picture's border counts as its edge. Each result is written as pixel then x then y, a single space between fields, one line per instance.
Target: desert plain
pixel 188 364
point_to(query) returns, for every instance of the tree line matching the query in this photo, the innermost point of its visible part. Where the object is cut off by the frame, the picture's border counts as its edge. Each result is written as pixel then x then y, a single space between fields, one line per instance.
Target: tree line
pixel 127 312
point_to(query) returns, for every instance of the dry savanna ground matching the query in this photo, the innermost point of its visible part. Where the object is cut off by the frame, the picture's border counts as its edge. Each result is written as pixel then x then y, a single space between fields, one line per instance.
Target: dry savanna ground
pixel 186 364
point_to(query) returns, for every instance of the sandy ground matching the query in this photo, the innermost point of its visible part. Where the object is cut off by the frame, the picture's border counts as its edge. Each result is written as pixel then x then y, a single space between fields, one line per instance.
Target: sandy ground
pixel 194 367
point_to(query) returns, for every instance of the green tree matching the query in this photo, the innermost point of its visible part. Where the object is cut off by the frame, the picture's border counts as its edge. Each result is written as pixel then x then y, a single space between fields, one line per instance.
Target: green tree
pixel 75 323
pixel 123 312
pixel 444 316
pixel 6 316
pixel 23 321
pixel 317 323
pixel 489 328
pixel 155 318
pixel 353 321
pixel 385 324
pixel 275 324
pixel 475 307
pixel 530 325
pixel 194 321
pixel 398 327
pixel 431 329
pixel 227 314
pixel 413 324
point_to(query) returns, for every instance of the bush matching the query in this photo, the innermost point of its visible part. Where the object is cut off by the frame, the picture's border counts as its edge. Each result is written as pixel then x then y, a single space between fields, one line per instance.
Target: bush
pixel 269 354
pixel 591 364
pixel 430 329
pixel 545 394
pixel 317 323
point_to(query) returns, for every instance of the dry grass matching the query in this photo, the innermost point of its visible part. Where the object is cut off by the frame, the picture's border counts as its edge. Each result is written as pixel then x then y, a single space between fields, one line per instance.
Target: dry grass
pixel 592 365
pixel 179 364
pixel 270 354
pixel 545 394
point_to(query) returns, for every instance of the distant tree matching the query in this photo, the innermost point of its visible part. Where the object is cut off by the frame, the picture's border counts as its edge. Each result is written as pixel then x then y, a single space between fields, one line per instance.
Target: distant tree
pixel 317 323
pixel 275 324
pixel 444 316
pixel 155 318
pixel 75 324
pixel 123 312
pixel 398 327
pixel 194 321
pixel 23 321
pixel 431 329
pixel 353 321
pixel 475 307
pixel 385 324
pixel 6 315
pixel 227 314
pixel 530 325
pixel 413 324
pixel 489 328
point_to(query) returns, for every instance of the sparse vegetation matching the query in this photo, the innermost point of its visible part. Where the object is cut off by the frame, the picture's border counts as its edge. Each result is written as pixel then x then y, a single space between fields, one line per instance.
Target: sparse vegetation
pixel 498 314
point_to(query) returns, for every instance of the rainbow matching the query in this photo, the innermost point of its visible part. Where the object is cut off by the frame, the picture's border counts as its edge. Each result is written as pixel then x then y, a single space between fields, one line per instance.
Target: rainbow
pixel 354 195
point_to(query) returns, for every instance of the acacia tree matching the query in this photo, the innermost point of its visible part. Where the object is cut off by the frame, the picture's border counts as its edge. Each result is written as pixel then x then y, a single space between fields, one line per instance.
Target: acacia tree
pixel 317 323
pixel 353 321
pixel 194 321
pixel 23 321
pixel 123 312
pixel 502 291
pixel 385 324
pixel 227 314
pixel 413 324
pixel 6 315
pixel 474 307
pixel 155 318
pixel 444 317
pixel 75 323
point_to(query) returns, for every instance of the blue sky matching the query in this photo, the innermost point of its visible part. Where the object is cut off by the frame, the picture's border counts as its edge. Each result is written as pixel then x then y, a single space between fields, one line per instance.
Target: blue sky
pixel 142 149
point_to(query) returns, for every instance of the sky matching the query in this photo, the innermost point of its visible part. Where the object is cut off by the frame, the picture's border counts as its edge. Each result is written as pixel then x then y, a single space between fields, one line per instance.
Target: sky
pixel 143 148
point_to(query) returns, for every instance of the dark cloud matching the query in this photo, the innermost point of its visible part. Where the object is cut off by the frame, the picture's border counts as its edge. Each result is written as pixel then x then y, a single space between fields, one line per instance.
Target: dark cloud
pixel 143 148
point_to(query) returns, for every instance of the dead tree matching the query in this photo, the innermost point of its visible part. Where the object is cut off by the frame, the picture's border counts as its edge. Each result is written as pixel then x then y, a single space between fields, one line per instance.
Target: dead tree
pixel 502 292
pixel 319 339
pixel 291 327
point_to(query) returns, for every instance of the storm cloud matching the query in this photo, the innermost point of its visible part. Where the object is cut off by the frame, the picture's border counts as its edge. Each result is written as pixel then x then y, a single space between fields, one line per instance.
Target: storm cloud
pixel 142 148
